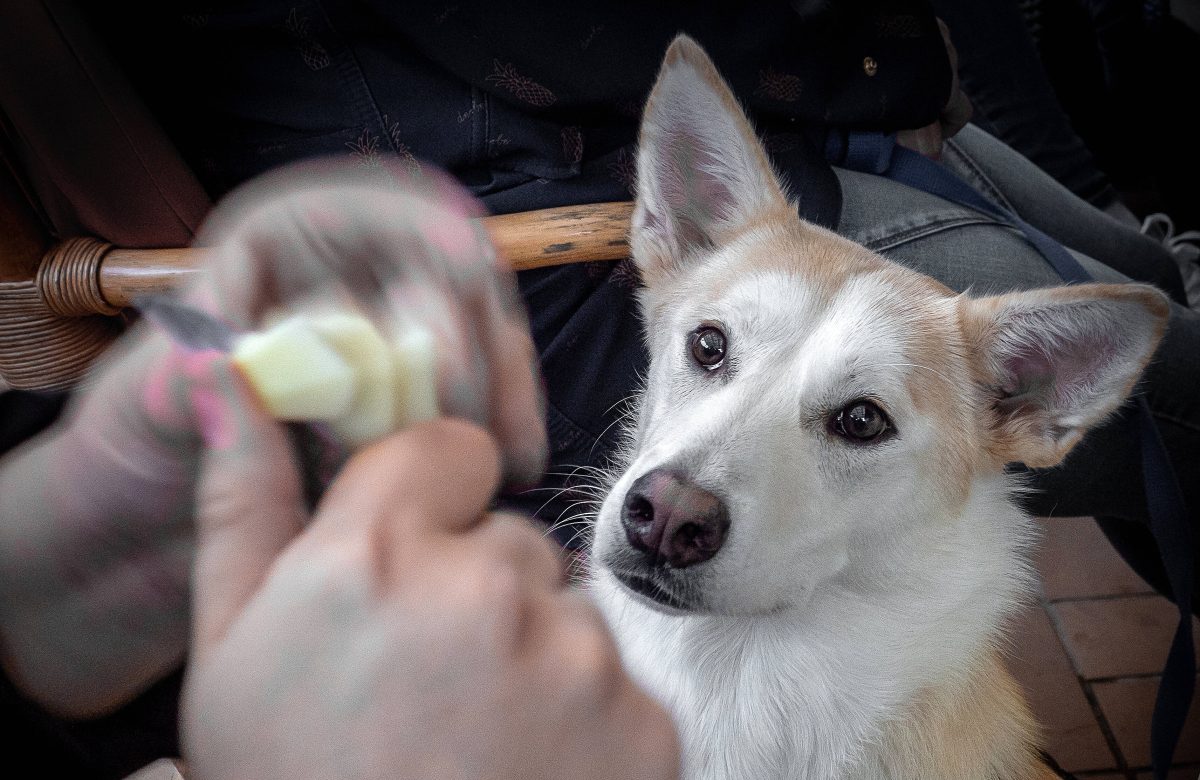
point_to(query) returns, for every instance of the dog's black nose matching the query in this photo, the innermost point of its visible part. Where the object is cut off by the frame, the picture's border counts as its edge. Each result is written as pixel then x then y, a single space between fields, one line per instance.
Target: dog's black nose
pixel 672 520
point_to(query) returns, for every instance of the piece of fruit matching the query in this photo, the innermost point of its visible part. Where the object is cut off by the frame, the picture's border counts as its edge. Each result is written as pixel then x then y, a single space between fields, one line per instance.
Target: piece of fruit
pixel 296 373
pixel 372 412
pixel 415 365
pixel 336 367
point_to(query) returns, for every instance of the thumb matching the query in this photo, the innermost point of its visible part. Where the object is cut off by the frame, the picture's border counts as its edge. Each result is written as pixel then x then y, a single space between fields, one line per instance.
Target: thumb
pixel 249 500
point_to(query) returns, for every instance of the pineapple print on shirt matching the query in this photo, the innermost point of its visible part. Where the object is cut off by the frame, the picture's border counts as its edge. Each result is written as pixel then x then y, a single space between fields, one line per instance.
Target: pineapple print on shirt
pixel 365 148
pixel 402 149
pixel 572 144
pixel 315 55
pixel 774 85
pixel 505 75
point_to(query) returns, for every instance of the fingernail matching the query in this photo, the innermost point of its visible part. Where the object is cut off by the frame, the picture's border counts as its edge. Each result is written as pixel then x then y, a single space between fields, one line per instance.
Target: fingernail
pixel 157 392
pixel 215 418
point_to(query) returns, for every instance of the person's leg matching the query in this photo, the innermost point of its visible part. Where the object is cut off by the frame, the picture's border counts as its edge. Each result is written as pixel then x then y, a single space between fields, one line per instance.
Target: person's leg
pixel 1110 456
pixel 965 250
pixel 1014 182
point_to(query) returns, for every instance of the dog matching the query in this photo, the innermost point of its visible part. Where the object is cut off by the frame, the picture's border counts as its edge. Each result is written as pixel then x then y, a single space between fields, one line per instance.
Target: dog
pixel 811 546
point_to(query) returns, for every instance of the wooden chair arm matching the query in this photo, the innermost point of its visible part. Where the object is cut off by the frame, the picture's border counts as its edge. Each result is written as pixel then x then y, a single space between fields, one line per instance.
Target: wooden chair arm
pixel 84 277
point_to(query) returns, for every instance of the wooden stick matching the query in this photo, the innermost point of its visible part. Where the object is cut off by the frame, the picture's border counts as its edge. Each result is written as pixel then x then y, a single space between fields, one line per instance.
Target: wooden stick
pixel 530 239
pixel 558 236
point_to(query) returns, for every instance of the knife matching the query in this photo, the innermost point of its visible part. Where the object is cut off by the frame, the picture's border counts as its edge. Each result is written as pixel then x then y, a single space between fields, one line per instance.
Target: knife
pixel 319 453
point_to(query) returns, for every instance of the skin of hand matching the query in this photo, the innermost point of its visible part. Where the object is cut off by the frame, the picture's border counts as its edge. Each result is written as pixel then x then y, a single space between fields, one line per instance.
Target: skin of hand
pixel 928 140
pixel 97 526
pixel 406 633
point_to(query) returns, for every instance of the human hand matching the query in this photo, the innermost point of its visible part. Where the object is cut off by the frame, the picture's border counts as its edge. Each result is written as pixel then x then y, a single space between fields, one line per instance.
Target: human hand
pixel 96 531
pixel 405 633
pixel 928 140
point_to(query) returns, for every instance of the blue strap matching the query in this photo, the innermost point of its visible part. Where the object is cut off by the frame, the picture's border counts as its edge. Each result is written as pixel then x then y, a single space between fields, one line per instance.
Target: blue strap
pixel 878 153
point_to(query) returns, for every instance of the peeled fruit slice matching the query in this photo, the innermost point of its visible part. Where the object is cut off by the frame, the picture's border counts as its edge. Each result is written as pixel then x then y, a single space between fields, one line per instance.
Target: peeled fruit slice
pixel 296 373
pixel 336 367
pixel 372 412
pixel 415 360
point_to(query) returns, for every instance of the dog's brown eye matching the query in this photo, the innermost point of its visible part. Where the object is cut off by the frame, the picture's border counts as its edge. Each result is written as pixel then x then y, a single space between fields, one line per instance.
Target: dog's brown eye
pixel 860 421
pixel 708 346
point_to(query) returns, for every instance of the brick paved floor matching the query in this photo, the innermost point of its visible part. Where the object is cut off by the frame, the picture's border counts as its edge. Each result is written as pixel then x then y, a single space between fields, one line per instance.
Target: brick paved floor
pixel 1090 653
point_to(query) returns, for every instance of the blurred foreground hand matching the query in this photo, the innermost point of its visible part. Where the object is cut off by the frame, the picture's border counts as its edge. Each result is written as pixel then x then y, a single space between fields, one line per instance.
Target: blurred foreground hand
pixel 405 634
pixel 98 524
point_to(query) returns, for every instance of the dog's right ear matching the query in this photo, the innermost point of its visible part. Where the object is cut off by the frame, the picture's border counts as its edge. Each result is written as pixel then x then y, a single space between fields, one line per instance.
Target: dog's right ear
pixel 1056 362
pixel 702 173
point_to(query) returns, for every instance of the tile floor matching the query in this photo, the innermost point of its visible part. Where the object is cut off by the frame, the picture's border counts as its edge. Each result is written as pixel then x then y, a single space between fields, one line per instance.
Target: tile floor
pixel 1089 655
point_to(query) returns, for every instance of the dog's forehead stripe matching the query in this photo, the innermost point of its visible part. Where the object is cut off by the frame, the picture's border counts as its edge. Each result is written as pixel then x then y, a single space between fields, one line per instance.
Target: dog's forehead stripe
pixel 795 278
pixel 824 259
pixel 863 333
pixel 874 305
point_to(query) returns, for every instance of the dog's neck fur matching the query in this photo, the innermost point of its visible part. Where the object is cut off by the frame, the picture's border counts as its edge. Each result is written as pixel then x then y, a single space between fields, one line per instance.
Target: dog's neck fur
pixel 857 681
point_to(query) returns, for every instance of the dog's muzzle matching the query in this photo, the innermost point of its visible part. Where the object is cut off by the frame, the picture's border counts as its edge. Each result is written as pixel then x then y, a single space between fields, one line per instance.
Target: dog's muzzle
pixel 672 521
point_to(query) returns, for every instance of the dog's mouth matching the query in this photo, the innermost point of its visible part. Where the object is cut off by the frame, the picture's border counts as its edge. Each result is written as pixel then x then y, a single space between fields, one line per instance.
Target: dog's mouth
pixel 649 589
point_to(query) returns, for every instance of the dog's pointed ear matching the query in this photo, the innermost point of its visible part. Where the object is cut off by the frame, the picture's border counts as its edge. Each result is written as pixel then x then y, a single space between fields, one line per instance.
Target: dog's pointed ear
pixel 702 173
pixel 1056 362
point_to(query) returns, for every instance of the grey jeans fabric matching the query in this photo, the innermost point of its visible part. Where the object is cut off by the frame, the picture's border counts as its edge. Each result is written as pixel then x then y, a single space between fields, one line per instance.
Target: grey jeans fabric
pixel 967 250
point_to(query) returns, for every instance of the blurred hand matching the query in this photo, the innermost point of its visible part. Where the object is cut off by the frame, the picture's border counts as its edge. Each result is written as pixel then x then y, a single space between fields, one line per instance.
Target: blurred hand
pixel 97 531
pixel 405 633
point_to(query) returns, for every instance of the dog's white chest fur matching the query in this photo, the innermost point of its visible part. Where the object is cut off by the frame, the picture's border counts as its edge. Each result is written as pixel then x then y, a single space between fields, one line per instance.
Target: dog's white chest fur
pixel 814 691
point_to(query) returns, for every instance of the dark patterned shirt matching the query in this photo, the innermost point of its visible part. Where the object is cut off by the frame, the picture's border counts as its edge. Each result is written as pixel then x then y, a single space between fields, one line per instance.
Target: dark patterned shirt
pixel 530 104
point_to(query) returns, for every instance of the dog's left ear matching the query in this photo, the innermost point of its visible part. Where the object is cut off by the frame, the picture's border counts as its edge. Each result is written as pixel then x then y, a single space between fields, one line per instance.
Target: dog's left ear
pixel 702 173
pixel 1056 362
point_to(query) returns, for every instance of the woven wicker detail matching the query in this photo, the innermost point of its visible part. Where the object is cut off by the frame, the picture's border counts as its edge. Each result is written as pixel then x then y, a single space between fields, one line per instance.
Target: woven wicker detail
pixel 69 278
pixel 41 350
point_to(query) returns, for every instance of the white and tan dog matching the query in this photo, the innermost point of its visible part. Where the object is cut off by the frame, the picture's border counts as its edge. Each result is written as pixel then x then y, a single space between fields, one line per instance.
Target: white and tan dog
pixel 811 548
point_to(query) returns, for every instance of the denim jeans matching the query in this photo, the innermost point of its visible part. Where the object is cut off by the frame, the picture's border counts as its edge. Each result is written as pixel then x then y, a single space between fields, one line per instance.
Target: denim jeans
pixel 585 324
